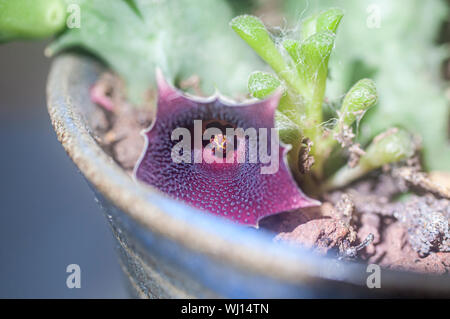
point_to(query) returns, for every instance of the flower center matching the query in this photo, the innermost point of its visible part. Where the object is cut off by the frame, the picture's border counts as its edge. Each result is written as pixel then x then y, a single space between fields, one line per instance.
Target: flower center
pixel 219 142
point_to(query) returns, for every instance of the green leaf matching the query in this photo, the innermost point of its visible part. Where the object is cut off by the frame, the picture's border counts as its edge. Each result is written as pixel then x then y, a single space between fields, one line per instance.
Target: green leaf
pixel 314 54
pixel 254 33
pixel 357 101
pixel 293 48
pixel 29 19
pixel 175 35
pixel 327 20
pixel 252 30
pixel 402 57
pixel 262 84
pixel 289 132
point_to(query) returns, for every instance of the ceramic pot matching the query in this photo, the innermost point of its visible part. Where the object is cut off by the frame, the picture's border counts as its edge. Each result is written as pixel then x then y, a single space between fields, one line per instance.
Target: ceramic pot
pixel 169 250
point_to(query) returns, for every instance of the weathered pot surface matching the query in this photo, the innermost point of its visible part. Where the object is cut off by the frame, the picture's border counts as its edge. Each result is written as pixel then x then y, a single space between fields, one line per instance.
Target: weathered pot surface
pixel 168 249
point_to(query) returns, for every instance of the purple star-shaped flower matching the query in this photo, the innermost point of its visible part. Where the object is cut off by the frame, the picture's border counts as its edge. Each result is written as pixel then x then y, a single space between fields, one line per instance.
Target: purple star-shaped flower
pixel 235 190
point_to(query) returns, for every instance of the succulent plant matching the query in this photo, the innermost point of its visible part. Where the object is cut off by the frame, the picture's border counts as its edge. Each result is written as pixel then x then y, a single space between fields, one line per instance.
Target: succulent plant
pixel 301 71
pixel 222 185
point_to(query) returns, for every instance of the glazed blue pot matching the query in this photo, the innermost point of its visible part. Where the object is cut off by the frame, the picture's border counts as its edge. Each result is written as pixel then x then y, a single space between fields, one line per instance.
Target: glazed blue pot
pixel 170 250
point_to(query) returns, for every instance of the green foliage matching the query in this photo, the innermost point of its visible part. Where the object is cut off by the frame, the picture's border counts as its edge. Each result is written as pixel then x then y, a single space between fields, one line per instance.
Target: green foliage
pixel 262 84
pixel 30 19
pixel 324 21
pixel 357 101
pixel 394 43
pixel 292 47
pixel 182 37
pixel 287 129
pixel 314 53
pixel 304 74
pixel 301 68
pixel 390 147
pixel 252 30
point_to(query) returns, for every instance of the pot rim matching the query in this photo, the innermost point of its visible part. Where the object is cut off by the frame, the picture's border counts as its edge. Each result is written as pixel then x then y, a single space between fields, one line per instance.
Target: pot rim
pixel 228 243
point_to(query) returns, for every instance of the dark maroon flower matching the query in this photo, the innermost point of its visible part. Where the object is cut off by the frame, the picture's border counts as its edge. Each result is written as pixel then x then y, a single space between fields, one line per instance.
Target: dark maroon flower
pixel 238 191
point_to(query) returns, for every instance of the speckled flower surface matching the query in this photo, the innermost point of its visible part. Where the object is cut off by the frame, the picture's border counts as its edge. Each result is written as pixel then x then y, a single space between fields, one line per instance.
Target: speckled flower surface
pixel 238 191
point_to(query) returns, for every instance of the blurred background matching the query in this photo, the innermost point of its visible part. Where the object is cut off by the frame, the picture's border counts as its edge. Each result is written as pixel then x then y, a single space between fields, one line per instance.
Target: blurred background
pixel 48 215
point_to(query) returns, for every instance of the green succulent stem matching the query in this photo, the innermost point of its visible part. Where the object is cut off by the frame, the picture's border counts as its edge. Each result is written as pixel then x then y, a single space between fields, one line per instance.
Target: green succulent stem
pixel 389 147
pixel 345 176
pixel 253 31
pixel 361 97
pixel 314 54
pixel 311 62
